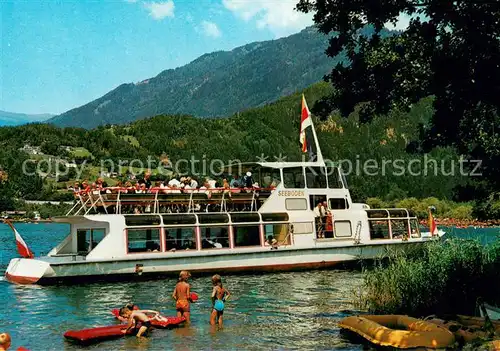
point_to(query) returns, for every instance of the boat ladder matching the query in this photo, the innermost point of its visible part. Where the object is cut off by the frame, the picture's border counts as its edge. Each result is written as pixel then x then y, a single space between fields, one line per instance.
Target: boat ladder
pixel 357 233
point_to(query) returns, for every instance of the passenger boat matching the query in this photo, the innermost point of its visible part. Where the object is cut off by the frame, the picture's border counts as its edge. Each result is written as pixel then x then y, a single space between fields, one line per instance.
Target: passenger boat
pixel 268 228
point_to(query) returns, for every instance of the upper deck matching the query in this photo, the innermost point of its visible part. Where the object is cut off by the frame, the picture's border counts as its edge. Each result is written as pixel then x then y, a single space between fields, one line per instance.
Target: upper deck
pixel 305 178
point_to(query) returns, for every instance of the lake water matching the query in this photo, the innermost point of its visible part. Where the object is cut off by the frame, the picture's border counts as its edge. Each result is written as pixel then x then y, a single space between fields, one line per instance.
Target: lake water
pixel 285 311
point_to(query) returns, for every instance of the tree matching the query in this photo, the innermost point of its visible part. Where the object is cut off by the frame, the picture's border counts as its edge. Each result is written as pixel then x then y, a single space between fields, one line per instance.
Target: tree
pixel 450 50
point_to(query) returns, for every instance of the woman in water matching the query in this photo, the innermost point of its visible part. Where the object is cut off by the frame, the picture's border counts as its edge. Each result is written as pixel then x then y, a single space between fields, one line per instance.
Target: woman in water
pixel 219 296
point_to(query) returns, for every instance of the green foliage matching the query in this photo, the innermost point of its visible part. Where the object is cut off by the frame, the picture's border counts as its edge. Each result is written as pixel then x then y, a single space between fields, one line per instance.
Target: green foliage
pixel 450 51
pixel 443 208
pixel 489 208
pixel 445 278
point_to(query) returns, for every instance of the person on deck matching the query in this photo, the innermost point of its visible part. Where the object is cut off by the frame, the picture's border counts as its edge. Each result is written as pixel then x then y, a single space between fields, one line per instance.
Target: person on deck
pixel 318 216
pixel 192 183
pixel 146 180
pixel 248 180
pixel 235 182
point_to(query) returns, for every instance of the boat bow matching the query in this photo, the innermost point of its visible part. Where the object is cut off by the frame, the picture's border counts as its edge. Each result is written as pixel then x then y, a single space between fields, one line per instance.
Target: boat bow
pixel 26 271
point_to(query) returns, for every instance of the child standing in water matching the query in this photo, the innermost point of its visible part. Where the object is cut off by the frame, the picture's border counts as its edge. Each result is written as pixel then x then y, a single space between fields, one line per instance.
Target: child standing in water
pixel 182 294
pixel 219 296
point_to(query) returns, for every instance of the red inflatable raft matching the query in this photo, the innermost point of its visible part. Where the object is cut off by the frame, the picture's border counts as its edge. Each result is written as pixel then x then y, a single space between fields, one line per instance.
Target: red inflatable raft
pixel 96 334
pixel 170 322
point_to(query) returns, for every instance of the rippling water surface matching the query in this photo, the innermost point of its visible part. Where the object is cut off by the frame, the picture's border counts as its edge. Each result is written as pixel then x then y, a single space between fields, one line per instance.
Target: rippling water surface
pixel 284 311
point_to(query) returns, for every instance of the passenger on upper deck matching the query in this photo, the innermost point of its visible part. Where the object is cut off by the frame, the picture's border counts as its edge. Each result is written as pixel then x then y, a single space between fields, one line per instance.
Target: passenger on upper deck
pixel 146 180
pixel 173 181
pixel 192 183
pixel 235 182
pixel 248 180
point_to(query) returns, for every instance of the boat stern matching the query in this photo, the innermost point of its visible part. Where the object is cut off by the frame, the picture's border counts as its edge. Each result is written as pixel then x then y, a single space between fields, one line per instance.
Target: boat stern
pixel 26 271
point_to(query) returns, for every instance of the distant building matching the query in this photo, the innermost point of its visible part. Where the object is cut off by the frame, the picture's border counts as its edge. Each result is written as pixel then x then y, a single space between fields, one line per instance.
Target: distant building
pixel 13 214
pixel 31 150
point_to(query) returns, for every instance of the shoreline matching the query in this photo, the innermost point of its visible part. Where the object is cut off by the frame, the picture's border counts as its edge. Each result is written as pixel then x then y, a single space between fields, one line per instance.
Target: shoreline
pixel 463 223
pixel 28 220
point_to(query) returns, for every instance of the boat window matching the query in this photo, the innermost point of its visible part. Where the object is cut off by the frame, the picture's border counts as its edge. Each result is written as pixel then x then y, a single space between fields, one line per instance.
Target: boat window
pixel 208 218
pixel 142 220
pixel 334 180
pixel 214 237
pixel 280 232
pixel 181 238
pixel 296 204
pixel 344 180
pixel 274 217
pixel 179 219
pixel 377 213
pixel 315 199
pixel 143 240
pixel 343 229
pixel 246 235
pixel 316 177
pixel 269 177
pixel 415 228
pixel 302 228
pixel 245 217
pixel 379 229
pixel 88 239
pixel 338 204
pixel 97 236
pixel 293 178
pixel 398 213
pixel 399 228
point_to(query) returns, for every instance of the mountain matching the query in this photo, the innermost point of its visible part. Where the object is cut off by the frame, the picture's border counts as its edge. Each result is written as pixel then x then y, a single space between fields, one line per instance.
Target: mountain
pixel 216 84
pixel 14 119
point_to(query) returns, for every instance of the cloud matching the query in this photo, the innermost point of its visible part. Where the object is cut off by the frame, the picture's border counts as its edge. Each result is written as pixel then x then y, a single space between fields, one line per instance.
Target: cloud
pixel 279 16
pixel 160 10
pixel 210 29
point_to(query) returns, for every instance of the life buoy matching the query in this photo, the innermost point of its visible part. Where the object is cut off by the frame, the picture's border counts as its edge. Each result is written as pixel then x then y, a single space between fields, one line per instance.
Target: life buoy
pixel 416 333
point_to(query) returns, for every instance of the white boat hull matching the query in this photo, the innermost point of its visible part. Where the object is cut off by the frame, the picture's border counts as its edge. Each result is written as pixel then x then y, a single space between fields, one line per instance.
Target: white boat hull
pixel 42 271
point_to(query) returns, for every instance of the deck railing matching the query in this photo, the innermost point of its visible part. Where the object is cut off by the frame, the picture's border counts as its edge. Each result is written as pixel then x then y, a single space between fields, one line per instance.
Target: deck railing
pixel 114 199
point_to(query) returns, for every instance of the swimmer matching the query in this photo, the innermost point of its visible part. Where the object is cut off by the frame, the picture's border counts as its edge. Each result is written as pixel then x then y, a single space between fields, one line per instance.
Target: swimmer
pixel 219 296
pixel 182 296
pixel 134 317
pixel 150 313
pixel 4 341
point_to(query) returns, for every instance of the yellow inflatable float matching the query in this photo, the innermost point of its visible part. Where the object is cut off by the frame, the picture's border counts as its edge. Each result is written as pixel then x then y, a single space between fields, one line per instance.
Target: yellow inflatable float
pixel 399 331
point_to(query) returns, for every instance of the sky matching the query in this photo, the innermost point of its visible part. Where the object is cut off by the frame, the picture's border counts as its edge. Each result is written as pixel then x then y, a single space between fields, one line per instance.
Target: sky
pixel 60 54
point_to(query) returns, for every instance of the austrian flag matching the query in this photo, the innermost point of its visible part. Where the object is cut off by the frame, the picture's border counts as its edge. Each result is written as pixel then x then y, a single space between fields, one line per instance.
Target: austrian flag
pixel 432 224
pixel 22 248
pixel 305 122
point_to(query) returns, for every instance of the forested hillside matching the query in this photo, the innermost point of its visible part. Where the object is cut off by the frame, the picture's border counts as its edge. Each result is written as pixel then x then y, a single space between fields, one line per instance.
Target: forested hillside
pixel 270 130
pixel 215 84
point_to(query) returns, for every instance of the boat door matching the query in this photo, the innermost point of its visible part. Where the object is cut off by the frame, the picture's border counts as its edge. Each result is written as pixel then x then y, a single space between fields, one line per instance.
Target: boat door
pixel 88 239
